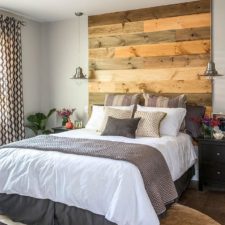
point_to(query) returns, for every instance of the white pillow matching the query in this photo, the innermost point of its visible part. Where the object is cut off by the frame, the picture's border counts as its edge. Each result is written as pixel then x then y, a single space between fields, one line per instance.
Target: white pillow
pixel 171 124
pixel 98 115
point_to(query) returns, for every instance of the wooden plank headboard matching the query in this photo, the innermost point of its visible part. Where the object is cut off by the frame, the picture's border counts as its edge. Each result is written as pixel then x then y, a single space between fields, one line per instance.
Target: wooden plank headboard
pixel 159 50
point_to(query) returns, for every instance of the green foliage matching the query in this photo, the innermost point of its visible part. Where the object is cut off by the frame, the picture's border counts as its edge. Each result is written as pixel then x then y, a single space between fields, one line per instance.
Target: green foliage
pixel 38 122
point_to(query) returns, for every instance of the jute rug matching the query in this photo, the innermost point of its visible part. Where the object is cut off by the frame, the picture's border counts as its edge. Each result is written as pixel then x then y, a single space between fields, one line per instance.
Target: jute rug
pixel 176 215
pixel 183 215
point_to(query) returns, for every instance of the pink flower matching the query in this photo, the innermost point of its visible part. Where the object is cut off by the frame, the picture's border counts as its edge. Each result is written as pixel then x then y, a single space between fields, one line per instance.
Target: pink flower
pixel 65 112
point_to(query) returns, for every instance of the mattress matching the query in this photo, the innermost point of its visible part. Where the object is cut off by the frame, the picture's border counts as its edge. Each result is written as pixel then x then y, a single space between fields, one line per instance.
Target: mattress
pixel 71 179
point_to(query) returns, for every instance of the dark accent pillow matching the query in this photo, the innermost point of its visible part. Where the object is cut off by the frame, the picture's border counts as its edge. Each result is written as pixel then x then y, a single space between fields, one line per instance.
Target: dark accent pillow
pixel 121 127
pixel 193 120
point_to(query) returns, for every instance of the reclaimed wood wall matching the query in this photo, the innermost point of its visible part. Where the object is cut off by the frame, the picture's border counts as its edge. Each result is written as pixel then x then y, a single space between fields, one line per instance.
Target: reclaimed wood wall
pixel 159 50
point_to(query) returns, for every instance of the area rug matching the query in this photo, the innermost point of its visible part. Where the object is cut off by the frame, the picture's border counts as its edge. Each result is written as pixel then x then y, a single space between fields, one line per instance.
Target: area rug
pixel 6 221
pixel 176 215
pixel 183 215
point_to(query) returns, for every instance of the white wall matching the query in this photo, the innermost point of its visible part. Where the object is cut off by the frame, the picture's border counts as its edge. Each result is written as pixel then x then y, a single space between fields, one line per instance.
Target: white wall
pixel 219 55
pixel 31 66
pixel 59 58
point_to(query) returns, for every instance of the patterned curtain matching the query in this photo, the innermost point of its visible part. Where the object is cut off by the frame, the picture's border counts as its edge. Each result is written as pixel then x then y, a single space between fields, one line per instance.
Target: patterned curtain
pixel 11 90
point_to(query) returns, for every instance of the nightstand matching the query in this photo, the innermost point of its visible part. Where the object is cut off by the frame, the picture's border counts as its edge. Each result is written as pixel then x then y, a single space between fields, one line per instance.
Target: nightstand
pixel 59 129
pixel 211 163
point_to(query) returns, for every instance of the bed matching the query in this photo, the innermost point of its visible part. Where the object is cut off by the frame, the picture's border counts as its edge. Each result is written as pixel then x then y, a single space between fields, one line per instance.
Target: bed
pixel 56 198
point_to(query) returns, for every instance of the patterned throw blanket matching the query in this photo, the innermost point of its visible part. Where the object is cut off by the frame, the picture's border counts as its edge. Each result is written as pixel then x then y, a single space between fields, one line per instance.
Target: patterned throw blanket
pixel 150 162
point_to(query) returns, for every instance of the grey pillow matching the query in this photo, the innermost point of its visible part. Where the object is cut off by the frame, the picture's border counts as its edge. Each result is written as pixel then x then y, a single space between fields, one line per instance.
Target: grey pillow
pixel 121 127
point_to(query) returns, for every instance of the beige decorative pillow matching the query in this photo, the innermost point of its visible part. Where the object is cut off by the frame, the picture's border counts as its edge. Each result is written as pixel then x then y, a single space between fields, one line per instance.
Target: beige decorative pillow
pixel 149 125
pixel 116 113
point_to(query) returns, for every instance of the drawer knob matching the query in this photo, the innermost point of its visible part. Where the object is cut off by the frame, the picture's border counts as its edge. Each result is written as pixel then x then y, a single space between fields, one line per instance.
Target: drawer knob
pixel 218 173
pixel 218 153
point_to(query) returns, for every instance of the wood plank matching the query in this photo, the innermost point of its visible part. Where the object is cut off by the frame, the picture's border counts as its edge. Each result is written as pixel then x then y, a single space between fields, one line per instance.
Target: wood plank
pixel 176 23
pixel 150 38
pixel 201 86
pixel 195 99
pixel 193 34
pixel 187 8
pixel 143 75
pixel 209 111
pixel 116 29
pixel 172 23
pixel 149 62
pixel 132 39
pixel 163 49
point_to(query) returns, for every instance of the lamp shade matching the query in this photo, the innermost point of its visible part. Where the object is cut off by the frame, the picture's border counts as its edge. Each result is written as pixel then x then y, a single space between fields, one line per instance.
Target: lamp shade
pixel 79 74
pixel 211 70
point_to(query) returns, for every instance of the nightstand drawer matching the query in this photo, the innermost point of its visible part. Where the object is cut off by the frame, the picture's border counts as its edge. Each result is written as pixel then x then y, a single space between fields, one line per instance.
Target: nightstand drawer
pixel 216 172
pixel 213 153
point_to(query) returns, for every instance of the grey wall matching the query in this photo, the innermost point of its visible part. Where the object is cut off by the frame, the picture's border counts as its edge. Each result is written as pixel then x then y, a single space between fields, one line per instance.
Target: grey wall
pixel 219 55
pixel 59 58
pixel 31 66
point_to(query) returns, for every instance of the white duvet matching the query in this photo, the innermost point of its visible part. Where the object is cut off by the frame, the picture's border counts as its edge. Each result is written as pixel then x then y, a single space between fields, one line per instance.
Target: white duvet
pixel 106 187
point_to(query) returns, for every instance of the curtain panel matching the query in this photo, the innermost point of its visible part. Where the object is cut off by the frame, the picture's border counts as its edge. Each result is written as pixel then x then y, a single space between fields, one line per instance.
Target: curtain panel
pixel 11 87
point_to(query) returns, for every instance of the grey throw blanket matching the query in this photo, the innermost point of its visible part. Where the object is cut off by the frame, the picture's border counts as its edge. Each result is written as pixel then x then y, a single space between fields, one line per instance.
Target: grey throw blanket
pixel 149 161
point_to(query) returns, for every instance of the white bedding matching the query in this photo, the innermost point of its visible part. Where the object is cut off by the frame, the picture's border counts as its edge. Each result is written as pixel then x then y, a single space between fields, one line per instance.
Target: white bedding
pixel 107 187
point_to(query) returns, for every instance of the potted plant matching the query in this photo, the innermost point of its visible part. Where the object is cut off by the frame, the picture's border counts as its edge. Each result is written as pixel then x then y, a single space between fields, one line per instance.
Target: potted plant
pixel 38 122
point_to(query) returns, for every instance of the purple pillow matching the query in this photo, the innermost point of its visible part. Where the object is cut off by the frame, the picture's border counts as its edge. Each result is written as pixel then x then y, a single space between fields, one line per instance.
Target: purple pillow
pixel 193 118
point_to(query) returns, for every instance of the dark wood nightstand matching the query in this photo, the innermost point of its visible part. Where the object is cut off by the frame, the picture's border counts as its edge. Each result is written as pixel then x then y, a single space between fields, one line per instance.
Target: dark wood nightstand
pixel 59 129
pixel 211 163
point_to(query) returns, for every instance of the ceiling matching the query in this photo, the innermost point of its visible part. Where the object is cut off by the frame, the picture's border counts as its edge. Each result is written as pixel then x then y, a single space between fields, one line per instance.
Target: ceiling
pixel 53 10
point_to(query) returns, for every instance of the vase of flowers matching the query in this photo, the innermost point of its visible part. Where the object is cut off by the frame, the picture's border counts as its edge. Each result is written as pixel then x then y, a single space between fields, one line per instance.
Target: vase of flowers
pixel 65 115
pixel 208 125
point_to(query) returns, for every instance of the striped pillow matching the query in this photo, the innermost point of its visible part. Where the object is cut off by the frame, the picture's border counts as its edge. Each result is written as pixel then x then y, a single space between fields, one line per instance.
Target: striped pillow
pixel 121 100
pixel 165 102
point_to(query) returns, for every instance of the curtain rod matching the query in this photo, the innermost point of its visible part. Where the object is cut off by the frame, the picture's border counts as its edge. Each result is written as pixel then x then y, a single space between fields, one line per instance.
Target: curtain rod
pixel 9 13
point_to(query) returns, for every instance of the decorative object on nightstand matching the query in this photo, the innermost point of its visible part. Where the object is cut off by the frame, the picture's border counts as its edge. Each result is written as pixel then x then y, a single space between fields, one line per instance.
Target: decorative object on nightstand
pixel 78 124
pixel 69 124
pixel 211 163
pixel 221 117
pixel 219 135
pixel 65 115
pixel 209 126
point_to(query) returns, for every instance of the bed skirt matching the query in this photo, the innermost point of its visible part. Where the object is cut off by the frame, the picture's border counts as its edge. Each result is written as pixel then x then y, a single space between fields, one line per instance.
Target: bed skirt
pixel 33 211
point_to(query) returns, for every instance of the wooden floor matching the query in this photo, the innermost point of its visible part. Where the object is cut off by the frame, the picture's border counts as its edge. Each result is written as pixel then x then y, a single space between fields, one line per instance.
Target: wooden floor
pixel 212 203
